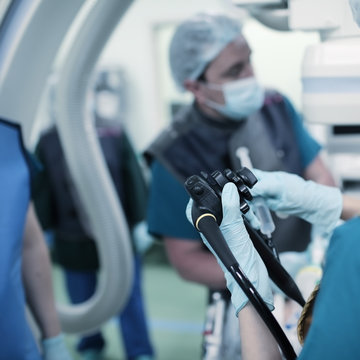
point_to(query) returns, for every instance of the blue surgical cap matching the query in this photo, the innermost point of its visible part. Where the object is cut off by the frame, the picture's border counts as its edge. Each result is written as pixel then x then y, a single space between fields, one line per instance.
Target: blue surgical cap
pixel 197 41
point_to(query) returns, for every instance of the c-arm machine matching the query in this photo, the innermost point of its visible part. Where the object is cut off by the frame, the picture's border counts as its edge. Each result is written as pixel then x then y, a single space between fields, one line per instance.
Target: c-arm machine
pixel 330 73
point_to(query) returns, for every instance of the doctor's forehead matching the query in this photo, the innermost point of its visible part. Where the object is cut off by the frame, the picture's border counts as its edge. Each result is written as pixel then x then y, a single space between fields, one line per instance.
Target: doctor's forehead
pixel 238 51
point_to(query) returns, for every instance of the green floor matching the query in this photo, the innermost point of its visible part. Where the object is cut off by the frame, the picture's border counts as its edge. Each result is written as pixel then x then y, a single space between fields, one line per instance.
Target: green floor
pixel 175 312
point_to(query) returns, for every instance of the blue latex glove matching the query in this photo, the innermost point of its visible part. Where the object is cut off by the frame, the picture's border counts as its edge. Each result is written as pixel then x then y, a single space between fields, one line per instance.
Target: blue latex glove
pixel 290 194
pixel 236 236
pixel 142 239
pixel 54 348
pixel 252 218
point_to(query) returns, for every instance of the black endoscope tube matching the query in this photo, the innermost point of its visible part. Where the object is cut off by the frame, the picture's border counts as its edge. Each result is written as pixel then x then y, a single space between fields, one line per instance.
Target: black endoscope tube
pixel 208 226
pixel 276 271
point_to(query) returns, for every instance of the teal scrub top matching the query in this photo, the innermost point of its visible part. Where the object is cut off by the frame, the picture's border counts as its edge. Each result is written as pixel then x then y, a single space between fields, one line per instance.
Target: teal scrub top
pixel 335 328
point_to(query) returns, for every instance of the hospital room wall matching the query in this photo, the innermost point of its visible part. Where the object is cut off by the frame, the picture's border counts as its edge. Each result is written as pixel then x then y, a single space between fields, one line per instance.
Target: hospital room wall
pixel 140 43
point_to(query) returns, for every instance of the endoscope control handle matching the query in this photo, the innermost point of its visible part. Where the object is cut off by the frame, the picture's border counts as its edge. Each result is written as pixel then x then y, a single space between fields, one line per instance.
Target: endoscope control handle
pixel 208 201
pixel 205 222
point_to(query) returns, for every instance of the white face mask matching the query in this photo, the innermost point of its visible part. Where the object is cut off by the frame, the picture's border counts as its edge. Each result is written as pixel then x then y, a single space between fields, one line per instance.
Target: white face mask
pixel 242 98
pixel 355 8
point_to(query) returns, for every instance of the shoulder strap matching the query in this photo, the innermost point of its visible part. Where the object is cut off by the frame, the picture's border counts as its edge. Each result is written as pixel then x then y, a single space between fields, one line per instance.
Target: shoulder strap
pixel 183 122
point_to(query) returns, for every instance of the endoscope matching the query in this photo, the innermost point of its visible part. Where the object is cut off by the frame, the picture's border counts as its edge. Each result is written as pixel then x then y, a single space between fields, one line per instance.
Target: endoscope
pixel 205 190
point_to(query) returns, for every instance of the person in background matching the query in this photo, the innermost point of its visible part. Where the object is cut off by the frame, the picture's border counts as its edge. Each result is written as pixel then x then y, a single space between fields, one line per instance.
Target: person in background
pixel 74 247
pixel 232 120
pixel 335 311
pixel 24 261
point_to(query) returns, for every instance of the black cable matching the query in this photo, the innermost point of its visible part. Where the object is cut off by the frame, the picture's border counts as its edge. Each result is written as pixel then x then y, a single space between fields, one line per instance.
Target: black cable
pixel 277 272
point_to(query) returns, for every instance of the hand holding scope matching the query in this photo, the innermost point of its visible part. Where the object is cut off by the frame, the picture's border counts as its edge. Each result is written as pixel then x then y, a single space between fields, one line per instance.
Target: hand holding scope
pixel 205 190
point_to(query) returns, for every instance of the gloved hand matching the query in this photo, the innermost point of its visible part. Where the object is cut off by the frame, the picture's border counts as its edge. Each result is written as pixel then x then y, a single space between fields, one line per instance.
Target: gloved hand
pixel 236 236
pixel 252 218
pixel 290 194
pixel 54 348
pixel 142 239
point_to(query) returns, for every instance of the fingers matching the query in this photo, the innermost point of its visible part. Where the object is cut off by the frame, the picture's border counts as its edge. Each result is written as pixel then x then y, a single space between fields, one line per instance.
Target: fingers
pixel 258 173
pixel 230 203
pixel 253 220
pixel 231 207
pixel 267 185
pixel 260 189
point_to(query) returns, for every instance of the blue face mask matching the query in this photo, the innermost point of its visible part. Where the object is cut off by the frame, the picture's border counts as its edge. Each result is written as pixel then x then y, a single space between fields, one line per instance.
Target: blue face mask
pixel 242 98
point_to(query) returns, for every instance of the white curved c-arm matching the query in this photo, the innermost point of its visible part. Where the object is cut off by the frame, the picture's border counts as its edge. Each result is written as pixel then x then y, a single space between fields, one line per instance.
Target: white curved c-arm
pixel 89 172
pixel 27 55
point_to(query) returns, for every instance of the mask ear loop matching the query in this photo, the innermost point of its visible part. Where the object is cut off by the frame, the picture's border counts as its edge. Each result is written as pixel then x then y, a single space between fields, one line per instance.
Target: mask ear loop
pixel 210 103
pixel 221 87
pixel 211 86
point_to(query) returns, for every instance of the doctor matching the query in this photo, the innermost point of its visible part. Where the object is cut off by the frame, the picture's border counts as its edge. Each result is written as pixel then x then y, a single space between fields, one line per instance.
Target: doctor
pixel 334 329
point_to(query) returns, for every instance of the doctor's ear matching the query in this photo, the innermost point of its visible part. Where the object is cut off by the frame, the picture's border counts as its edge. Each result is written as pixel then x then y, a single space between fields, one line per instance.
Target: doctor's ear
pixel 196 88
pixel 192 85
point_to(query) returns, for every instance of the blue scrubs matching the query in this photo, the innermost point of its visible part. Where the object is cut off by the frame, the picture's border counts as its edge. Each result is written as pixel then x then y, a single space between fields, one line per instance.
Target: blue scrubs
pixel 132 319
pixel 335 328
pixel 17 341
pixel 168 198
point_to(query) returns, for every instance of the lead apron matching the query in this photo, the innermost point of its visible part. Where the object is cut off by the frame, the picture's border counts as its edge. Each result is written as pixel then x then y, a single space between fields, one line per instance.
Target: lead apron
pixel 17 342
pixel 273 154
